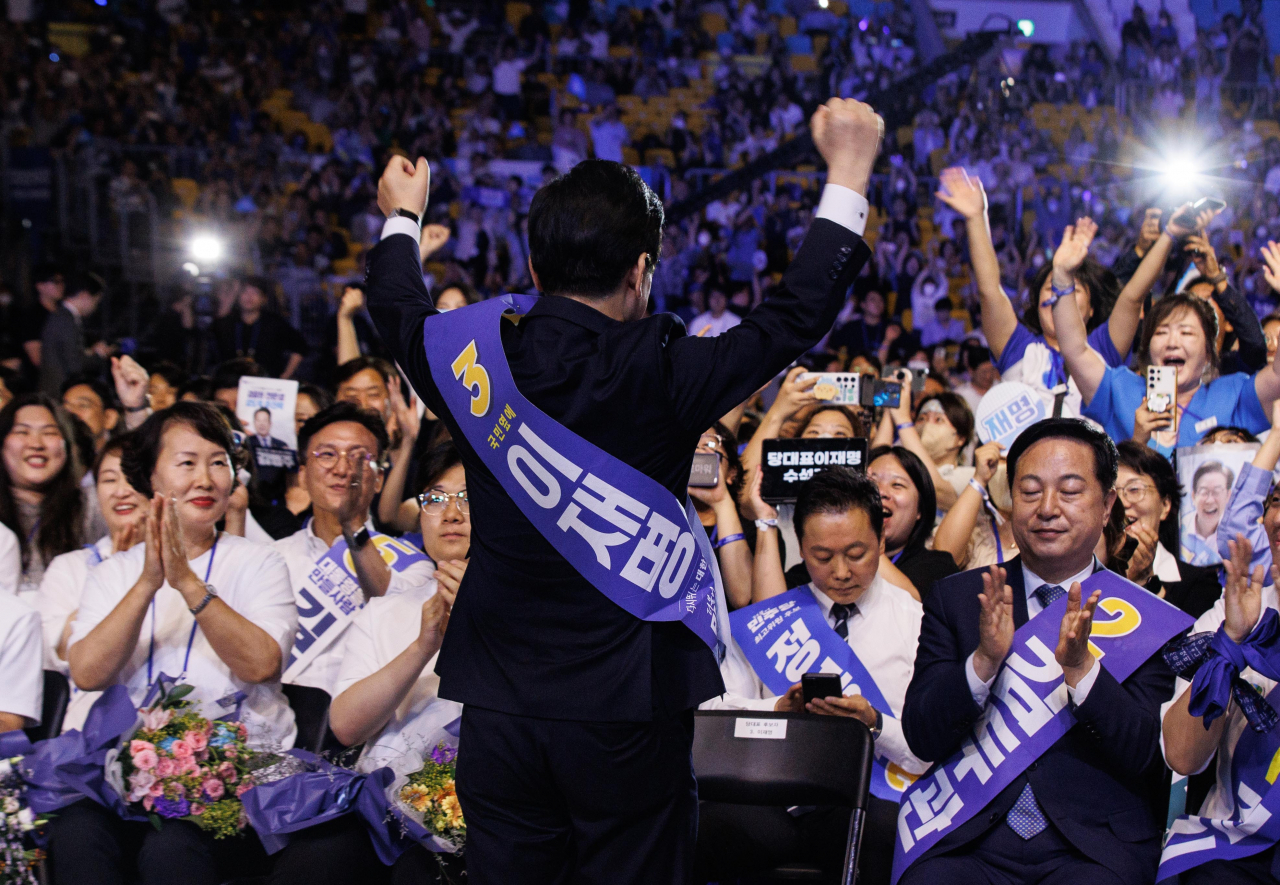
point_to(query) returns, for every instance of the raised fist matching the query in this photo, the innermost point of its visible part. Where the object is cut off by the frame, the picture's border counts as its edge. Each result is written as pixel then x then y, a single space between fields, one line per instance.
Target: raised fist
pixel 848 135
pixel 404 186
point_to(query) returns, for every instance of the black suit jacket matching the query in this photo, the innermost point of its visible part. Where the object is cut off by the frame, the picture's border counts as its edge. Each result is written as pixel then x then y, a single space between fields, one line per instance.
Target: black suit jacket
pixel 1102 783
pixel 61 350
pixel 529 635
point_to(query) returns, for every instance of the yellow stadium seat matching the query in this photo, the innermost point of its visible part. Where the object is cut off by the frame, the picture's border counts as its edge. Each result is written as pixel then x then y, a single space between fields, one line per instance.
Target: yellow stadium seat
pixel 186 190
pixel 906 320
pixel 621 52
pixel 713 23
pixel 804 64
pixel 787 27
pixel 660 157
pixel 344 266
pixel 630 156
pixel 516 13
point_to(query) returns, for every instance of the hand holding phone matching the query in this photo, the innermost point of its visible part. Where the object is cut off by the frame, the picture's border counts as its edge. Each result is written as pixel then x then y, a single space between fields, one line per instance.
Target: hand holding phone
pixel 820 685
pixel 1162 388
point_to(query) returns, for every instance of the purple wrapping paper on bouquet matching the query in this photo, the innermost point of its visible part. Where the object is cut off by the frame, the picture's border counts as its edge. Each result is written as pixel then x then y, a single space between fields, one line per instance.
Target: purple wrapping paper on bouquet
pixel 71 766
pixel 322 793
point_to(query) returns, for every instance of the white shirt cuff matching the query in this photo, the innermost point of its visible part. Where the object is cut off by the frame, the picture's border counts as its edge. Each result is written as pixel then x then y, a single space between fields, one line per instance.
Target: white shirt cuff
pixel 845 206
pixel 979 689
pixel 398 224
pixel 1080 693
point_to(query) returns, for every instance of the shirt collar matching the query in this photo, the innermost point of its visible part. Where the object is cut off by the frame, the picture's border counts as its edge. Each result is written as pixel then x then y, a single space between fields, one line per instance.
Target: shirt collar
pixel 867 598
pixel 1165 565
pixel 1031 581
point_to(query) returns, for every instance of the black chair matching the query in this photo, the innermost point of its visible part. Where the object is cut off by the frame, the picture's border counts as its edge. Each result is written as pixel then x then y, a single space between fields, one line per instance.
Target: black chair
pixel 57 694
pixel 311 710
pixel 810 760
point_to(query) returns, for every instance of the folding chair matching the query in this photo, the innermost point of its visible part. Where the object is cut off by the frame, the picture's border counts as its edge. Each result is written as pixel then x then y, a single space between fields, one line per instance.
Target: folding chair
pixel 57 694
pixel 311 711
pixel 786 759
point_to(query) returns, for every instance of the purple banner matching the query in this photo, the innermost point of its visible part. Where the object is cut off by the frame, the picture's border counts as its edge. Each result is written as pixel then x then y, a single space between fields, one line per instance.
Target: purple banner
pixel 1254 827
pixel 622 530
pixel 1027 711
pixel 788 635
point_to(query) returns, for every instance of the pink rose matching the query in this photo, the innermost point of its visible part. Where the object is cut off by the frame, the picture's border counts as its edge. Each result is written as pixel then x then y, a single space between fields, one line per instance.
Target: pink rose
pixel 227 772
pixel 145 760
pixel 242 789
pixel 154 720
pixel 213 788
pixel 230 752
pixel 188 766
pixel 181 749
pixel 197 740
pixel 197 809
pixel 166 767
pixel 136 747
pixel 147 802
pixel 156 790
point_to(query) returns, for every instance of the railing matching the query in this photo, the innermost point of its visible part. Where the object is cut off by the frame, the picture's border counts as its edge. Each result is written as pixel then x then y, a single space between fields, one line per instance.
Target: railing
pixel 1137 97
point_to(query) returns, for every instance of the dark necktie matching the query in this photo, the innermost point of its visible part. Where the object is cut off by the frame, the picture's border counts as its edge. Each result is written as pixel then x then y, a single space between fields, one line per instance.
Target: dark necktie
pixel 1048 594
pixel 841 614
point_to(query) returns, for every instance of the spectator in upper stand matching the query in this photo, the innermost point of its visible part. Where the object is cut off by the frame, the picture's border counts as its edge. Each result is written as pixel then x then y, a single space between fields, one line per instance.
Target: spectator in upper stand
pixel 508 82
pixel 256 331
pixel 941 328
pixel 609 135
pixel 569 145
pixel 718 319
pixel 49 290
pixel 1135 39
pixel 785 115
pixel 62 350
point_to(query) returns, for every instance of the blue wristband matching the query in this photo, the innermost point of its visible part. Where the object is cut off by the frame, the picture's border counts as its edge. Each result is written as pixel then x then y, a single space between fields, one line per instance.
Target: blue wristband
pixel 729 540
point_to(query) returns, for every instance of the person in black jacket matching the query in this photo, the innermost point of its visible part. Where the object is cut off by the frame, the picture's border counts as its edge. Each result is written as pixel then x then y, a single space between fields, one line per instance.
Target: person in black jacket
pixel 910 505
pixel 578 720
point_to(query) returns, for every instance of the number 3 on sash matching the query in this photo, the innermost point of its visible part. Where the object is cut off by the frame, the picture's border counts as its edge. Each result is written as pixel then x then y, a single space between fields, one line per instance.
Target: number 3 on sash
pixel 474 376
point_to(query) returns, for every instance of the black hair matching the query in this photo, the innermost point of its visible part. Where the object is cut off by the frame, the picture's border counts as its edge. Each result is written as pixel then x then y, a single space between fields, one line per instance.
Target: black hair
pixel 317 394
pixel 438 461
pixel 1148 462
pixel 587 227
pixel 102 391
pixel 1209 435
pixel 113 446
pixel 200 386
pixel 62 505
pixel 260 410
pixel 1105 457
pixel 85 281
pixel 1165 308
pixel 872 358
pixel 468 291
pixel 838 490
pixel 45 272
pixel 942 304
pixel 228 374
pixel 138 459
pixel 957 411
pixel 1101 284
pixel 736 477
pixel 171 373
pixel 342 411
pixel 854 418
pixel 927 508
pixel 353 367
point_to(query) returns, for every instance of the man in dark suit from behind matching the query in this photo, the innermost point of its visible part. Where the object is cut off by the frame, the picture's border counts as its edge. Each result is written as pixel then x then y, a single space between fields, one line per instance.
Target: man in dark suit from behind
pixel 62 349
pixel 1090 808
pixel 578 717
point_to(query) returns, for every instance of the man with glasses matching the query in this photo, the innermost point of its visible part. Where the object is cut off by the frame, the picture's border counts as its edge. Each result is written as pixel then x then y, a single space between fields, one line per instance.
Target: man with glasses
pixel 340 452
pixel 1210 487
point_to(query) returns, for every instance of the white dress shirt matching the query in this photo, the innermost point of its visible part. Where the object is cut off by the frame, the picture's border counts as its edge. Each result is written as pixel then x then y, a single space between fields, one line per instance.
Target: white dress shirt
pixel 10 561
pixel 300 551
pixel 884 634
pixel 380 632
pixel 254 581
pixel 57 601
pixel 1031 582
pixel 1219 803
pixel 21 654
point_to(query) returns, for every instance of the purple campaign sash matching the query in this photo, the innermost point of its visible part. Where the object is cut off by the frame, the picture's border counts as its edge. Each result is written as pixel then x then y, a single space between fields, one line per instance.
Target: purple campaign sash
pixel 1028 712
pixel 788 635
pixel 1255 825
pixel 620 529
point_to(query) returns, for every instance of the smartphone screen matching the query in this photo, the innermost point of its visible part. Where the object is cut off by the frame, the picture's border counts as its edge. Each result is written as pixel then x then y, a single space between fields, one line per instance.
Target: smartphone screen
pixel 820 685
pixel 888 394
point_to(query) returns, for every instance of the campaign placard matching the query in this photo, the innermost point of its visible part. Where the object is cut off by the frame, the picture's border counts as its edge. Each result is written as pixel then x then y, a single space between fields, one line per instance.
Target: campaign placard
pixel 1207 474
pixel 790 463
pixel 1006 410
pixel 265 407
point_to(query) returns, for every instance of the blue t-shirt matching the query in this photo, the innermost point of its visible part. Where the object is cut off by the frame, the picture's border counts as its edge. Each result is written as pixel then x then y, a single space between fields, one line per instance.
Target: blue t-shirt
pixel 1028 358
pixel 1229 400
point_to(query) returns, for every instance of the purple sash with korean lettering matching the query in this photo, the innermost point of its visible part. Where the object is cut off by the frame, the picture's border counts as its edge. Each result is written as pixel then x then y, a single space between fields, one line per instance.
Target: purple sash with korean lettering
pixel 1255 825
pixel 620 529
pixel 1027 712
pixel 788 635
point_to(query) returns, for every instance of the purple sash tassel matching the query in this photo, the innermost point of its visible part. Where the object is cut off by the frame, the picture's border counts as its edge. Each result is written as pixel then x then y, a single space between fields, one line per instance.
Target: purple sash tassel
pixel 323 793
pixel 69 767
pixel 1218 678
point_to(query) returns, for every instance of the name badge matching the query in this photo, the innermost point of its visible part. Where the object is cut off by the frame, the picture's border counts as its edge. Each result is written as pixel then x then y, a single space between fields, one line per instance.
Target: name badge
pixel 760 729
pixel 1207 424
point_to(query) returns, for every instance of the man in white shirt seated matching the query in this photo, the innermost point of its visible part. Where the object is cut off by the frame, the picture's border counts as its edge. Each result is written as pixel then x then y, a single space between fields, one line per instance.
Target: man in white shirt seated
pixel 21 655
pixel 839 521
pixel 339 450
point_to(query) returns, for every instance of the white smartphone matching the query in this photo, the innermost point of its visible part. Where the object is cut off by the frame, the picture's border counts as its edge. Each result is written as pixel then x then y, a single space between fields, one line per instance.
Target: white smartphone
pixel 835 387
pixel 1162 387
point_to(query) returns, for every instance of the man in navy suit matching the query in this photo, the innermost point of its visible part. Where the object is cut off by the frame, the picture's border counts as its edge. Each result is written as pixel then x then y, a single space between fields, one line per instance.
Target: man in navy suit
pixel 578 716
pixel 1091 808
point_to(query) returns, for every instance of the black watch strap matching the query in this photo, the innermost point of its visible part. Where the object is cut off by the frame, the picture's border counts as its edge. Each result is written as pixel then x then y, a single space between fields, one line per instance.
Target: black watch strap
pixel 405 213
pixel 359 539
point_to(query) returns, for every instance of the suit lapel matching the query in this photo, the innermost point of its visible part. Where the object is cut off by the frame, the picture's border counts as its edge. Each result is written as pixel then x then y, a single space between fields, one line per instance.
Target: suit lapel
pixel 1013 577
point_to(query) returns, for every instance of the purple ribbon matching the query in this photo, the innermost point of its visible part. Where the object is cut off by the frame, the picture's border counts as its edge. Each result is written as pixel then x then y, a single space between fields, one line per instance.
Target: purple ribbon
pixel 1218 677
pixel 70 767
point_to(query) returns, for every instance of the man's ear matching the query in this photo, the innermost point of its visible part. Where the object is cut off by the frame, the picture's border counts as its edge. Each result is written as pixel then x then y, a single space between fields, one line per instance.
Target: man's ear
pixel 537 284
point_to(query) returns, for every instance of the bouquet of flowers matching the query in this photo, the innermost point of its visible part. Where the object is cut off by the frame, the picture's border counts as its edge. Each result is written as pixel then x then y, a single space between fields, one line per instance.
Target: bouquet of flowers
pixel 17 821
pixel 430 797
pixel 179 764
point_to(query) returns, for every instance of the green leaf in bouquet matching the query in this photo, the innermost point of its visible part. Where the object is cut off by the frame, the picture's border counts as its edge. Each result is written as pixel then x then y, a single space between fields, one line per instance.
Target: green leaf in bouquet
pixel 176 694
pixel 155 821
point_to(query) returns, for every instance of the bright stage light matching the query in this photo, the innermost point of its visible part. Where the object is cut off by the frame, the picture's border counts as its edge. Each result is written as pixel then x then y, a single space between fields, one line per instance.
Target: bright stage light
pixel 1026 26
pixel 192 268
pixel 1181 172
pixel 206 248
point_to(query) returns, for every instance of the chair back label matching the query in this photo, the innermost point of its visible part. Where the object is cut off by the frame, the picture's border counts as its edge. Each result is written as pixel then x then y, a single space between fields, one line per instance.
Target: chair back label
pixel 1255 824
pixel 330 596
pixel 760 729
pixel 1027 711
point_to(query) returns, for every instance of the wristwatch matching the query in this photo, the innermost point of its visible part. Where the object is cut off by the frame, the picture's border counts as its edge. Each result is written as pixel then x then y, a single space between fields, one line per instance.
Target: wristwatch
pixel 405 213
pixel 359 539
pixel 210 595
pixel 879 726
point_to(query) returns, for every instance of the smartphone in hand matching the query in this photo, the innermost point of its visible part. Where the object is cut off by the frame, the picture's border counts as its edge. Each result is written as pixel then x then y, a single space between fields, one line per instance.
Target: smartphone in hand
pixel 1162 388
pixel 820 685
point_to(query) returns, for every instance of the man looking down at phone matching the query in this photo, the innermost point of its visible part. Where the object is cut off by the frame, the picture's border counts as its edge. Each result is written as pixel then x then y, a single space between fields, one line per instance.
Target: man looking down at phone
pixel 840 523
pixel 577 724
pixel 1180 331
pixel 1083 809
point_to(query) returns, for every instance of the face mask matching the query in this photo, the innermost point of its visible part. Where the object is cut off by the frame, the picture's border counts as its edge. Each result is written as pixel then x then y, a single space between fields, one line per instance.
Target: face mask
pixel 938 440
pixel 998 489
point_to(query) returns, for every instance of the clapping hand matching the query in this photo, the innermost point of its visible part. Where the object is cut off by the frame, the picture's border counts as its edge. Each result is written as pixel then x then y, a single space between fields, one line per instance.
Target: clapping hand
pixel 962 193
pixel 435 620
pixel 152 576
pixel 449 573
pixel 173 554
pixel 354 509
pixel 1073 652
pixel 1242 594
pixel 995 624
pixel 1144 556
pixel 1074 248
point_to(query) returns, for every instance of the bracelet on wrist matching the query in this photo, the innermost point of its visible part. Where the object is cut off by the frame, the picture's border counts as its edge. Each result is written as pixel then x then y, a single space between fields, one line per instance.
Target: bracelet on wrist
pixel 766 524
pixel 1058 294
pixel 729 539
pixel 904 425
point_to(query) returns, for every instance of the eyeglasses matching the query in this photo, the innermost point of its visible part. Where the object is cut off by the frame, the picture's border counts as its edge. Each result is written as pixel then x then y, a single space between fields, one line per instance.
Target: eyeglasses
pixel 436 502
pixel 1135 493
pixel 356 458
pixel 713 443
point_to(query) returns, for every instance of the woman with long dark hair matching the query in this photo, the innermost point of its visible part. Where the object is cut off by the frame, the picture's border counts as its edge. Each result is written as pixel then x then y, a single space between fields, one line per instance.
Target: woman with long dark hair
pixel 910 506
pixel 40 496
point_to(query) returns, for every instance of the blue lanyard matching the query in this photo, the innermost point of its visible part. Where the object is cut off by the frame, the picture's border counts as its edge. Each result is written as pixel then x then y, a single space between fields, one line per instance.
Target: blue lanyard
pixel 151 653
pixel 894 559
pixel 95 558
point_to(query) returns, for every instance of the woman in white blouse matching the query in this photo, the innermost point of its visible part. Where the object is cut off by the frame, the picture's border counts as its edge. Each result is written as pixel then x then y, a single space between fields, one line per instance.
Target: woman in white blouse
pixel 192 605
